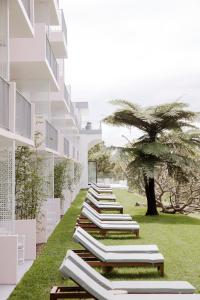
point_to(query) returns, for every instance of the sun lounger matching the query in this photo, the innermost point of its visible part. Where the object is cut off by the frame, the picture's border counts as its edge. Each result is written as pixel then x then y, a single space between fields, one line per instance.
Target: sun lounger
pixel 97 257
pixel 107 217
pixel 101 185
pixel 101 190
pixel 90 223
pixel 102 197
pixel 104 206
pixel 91 285
pixel 114 248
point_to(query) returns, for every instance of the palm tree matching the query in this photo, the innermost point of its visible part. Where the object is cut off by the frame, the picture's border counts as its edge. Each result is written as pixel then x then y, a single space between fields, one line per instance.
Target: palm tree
pixel 150 150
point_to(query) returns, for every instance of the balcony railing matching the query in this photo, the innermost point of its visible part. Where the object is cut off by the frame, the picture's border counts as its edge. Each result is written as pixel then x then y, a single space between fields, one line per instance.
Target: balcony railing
pixel 27 6
pixel 4 104
pixel 51 138
pixel 51 58
pixel 23 116
pixel 66 147
pixel 66 96
pixel 64 26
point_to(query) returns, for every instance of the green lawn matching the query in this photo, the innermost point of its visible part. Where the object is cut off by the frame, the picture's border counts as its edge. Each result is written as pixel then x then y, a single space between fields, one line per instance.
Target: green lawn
pixel 178 238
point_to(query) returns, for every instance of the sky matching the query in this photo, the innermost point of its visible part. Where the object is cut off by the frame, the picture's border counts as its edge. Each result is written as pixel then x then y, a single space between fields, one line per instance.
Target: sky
pixel 145 51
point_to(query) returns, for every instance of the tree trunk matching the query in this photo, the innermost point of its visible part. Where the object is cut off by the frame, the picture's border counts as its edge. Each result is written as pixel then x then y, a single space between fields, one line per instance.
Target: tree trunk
pixel 151 197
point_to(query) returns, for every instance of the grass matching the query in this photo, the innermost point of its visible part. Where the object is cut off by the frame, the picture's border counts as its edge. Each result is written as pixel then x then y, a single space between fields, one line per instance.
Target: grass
pixel 178 238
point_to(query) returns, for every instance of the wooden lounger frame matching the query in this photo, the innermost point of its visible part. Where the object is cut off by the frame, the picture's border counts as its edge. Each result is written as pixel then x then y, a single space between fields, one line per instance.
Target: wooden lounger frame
pixel 93 261
pixel 75 292
pixel 101 209
pixel 88 225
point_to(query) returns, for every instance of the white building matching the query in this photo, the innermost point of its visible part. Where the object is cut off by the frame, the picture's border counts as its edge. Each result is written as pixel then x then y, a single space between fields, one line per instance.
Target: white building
pixel 34 97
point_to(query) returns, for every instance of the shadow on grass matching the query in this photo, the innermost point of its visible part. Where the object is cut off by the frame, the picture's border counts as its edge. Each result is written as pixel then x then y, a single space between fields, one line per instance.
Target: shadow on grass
pixel 131 274
pixel 116 236
pixel 167 219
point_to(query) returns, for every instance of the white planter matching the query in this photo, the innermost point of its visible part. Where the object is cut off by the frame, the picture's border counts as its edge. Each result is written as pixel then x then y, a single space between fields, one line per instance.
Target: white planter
pixel 8 259
pixel 27 228
pixel 48 219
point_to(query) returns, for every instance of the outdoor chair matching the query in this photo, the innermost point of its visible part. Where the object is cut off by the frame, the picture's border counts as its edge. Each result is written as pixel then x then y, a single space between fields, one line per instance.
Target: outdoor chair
pixel 102 190
pixel 103 206
pixel 97 257
pixel 92 285
pixel 114 248
pixel 102 197
pixel 90 223
pixel 107 217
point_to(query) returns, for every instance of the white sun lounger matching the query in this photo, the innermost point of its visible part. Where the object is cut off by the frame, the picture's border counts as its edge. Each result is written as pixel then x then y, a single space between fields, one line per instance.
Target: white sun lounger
pixel 93 289
pixel 133 287
pixel 108 256
pixel 101 205
pixel 103 197
pixel 101 185
pixel 101 190
pixel 107 217
pixel 114 249
pixel 109 225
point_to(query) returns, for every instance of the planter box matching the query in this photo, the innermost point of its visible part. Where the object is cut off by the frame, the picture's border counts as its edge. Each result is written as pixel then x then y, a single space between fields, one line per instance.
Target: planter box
pixel 8 259
pixel 27 228
pixel 48 219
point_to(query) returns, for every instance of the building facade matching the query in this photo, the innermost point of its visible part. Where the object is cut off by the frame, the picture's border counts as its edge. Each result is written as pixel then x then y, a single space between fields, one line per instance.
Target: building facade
pixel 35 99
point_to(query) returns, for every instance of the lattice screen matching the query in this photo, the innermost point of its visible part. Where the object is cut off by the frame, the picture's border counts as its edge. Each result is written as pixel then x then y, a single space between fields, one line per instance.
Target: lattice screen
pixel 7 185
pixel 48 175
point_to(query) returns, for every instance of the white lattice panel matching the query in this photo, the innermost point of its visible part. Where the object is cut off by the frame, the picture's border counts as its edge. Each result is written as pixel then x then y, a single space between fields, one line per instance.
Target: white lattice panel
pixel 7 185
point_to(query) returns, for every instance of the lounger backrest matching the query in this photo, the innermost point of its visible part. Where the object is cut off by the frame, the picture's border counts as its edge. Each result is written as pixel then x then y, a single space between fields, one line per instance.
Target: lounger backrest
pixel 90 238
pixel 91 210
pixel 90 246
pixel 91 217
pixel 71 270
pixel 101 196
pixel 89 270
pixel 92 199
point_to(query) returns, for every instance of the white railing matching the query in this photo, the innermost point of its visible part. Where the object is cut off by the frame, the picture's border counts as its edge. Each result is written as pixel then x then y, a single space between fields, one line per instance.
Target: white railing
pixel 51 58
pixel 64 26
pixel 66 96
pixel 66 147
pixel 27 6
pixel 4 104
pixel 23 116
pixel 51 137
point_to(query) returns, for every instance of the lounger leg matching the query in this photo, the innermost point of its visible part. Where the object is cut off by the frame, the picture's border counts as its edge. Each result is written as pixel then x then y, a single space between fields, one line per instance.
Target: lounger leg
pixel 137 234
pixel 103 233
pixel 161 269
pixel 107 269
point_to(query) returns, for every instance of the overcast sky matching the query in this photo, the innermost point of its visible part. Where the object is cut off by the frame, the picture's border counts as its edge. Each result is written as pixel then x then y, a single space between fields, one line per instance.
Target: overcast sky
pixel 146 51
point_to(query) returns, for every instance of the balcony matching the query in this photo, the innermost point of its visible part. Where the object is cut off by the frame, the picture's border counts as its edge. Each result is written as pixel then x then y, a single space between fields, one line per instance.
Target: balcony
pixel 51 9
pixel 51 58
pixel 33 59
pixel 89 130
pixel 51 137
pixel 21 18
pixel 58 37
pixel 4 104
pixel 23 120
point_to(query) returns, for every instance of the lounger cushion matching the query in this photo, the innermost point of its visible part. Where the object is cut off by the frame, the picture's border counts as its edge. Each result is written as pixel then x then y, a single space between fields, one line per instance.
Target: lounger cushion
pixel 107 217
pixel 143 287
pixel 99 203
pixel 154 297
pixel 110 225
pixel 117 257
pixel 120 248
